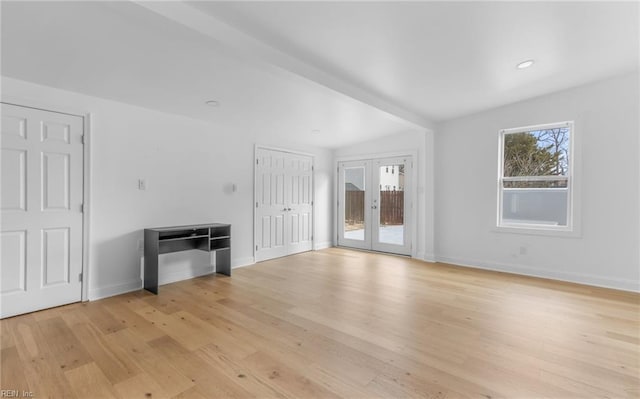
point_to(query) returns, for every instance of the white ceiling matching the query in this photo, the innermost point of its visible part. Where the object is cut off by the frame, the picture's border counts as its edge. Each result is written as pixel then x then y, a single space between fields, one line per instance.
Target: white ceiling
pixel 446 59
pixel 354 70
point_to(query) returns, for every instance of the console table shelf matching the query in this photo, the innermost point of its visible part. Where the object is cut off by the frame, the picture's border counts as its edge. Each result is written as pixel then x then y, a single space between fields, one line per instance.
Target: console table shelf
pixel 213 237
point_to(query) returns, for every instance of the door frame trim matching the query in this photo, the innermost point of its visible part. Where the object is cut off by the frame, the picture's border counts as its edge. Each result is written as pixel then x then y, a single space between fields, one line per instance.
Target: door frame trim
pixel 414 194
pixel 87 126
pixel 258 146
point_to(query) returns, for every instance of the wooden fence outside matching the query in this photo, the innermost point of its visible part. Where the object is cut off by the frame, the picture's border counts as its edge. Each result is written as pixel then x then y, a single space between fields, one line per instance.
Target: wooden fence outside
pixel 391 207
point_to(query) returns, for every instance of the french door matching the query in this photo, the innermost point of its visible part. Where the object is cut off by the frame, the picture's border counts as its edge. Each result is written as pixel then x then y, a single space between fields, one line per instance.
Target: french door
pixel 284 203
pixel 374 204
pixel 42 195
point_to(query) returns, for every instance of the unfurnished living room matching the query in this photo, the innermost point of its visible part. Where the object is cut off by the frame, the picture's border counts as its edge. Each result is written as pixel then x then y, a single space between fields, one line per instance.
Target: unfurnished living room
pixel 320 199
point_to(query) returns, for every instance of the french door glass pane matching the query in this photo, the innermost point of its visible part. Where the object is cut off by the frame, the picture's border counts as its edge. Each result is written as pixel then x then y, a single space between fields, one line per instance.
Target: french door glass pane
pixel 354 187
pixel 391 205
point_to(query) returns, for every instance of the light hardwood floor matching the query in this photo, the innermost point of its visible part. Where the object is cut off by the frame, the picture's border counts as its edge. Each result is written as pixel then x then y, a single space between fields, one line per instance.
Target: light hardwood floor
pixel 334 323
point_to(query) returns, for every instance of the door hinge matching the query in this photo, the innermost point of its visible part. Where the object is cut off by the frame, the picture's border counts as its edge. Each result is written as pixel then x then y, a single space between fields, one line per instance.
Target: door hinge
pixel 256 247
pixel 80 277
pixel 311 203
pixel 81 208
pixel 82 139
pixel 256 204
pixel 256 161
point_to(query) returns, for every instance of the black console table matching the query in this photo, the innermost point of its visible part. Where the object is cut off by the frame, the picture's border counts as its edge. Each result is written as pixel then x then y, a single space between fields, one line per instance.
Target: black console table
pixel 213 237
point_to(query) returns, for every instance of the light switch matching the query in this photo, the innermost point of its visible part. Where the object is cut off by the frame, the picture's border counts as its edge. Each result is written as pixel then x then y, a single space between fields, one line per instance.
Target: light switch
pixel 142 184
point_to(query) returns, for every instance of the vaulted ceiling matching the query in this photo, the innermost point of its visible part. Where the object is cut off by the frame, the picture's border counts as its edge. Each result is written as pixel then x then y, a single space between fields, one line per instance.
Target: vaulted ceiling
pixel 353 70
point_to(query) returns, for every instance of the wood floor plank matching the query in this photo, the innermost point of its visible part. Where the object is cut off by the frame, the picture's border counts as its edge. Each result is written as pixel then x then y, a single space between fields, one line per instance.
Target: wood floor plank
pixel 335 323
pixel 140 386
pixel 283 378
pixel 161 369
pixel 11 377
pixel 65 349
pixel 123 310
pixel 102 318
pixel 88 381
pixel 114 362
pixel 41 368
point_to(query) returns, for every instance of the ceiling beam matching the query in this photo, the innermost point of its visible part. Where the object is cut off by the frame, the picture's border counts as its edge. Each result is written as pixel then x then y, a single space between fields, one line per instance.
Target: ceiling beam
pixel 250 48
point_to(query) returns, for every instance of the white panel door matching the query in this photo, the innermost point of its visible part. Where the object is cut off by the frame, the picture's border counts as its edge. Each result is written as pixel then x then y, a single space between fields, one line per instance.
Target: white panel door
pixel 284 204
pixel 300 208
pixel 41 202
pixel 271 207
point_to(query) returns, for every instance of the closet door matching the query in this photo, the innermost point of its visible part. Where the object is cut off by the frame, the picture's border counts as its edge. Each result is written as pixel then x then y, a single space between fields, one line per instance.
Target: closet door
pixel 284 203
pixel 299 214
pixel 271 207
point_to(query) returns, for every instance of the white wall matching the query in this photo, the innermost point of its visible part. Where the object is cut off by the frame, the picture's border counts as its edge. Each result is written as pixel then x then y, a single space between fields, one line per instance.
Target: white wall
pixel 188 165
pixel 422 142
pixel 607 126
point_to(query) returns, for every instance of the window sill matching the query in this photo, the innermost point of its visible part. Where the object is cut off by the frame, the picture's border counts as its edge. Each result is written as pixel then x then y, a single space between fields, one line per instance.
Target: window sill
pixel 538 231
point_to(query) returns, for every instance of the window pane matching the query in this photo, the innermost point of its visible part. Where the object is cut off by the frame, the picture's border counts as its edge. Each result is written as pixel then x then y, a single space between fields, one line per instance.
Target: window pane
pixel 391 204
pixel 537 153
pixel 354 203
pixel 535 206
pixel 536 184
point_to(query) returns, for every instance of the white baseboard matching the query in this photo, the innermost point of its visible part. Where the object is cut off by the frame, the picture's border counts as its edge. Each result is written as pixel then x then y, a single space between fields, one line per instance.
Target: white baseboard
pixel 168 277
pixel 427 257
pixel 112 290
pixel 165 277
pixel 322 245
pixel 242 262
pixel 580 278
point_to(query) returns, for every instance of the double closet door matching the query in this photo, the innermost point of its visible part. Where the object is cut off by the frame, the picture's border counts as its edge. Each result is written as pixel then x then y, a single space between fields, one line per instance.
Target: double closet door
pixel 284 203
pixel 374 204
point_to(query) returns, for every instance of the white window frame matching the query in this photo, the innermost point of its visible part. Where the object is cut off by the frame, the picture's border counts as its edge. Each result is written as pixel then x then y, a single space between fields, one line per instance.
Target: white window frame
pixel 572 229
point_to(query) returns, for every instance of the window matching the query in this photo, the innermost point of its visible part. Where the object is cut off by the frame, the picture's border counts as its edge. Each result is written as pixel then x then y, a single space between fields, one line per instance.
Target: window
pixel 535 177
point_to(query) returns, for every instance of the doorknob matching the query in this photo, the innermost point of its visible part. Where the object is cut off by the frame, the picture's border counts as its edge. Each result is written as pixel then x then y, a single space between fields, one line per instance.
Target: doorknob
pixel 374 207
pixel 284 210
pixel 288 209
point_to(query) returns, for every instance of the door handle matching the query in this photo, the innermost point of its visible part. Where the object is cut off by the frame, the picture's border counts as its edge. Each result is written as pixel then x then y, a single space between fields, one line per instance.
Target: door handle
pixel 284 210
pixel 288 209
pixel 374 207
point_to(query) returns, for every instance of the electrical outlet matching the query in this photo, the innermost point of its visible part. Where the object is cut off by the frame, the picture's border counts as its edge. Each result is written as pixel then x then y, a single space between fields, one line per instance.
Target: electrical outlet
pixel 142 184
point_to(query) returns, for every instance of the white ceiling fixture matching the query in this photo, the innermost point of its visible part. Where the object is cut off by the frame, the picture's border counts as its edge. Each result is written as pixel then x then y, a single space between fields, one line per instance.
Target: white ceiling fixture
pixel 212 103
pixel 525 64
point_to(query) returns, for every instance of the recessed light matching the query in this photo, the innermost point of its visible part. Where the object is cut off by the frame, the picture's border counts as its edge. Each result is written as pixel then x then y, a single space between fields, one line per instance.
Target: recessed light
pixel 212 103
pixel 525 64
pixel 315 131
